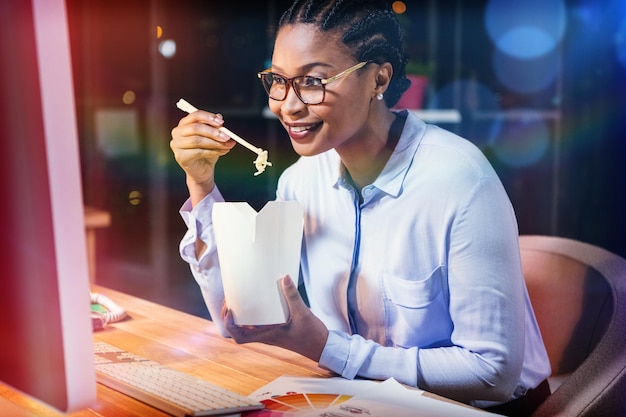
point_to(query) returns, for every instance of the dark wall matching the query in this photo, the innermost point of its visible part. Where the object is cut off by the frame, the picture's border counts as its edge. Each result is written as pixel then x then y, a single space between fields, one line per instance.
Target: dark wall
pixel 575 188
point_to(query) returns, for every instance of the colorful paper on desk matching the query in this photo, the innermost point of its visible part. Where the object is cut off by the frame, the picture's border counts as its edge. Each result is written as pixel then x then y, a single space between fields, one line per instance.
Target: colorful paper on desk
pixel 289 396
pixel 390 398
pixel 285 385
pixel 255 251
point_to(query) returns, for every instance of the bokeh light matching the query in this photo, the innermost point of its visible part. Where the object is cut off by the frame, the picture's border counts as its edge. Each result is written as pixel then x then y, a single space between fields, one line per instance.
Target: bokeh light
pixel 525 42
pixel 128 97
pixel 135 197
pixel 398 7
pixel 526 75
pixel 526 29
pixel 159 32
pixel 520 141
pixel 167 48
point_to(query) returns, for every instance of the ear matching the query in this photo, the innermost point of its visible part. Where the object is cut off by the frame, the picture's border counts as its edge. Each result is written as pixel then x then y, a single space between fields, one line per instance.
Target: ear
pixel 383 77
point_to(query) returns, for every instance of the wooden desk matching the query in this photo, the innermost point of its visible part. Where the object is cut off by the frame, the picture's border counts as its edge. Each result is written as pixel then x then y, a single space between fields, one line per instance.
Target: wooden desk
pixel 180 341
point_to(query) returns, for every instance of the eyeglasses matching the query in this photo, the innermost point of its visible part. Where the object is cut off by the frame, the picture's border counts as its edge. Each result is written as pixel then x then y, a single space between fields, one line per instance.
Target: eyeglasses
pixel 310 90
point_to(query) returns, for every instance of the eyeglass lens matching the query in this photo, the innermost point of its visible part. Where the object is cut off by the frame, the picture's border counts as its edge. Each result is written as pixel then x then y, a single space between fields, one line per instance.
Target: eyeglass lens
pixel 309 89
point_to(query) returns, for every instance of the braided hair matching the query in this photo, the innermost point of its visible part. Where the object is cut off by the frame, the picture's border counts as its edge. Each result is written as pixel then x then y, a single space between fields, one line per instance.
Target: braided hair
pixel 370 28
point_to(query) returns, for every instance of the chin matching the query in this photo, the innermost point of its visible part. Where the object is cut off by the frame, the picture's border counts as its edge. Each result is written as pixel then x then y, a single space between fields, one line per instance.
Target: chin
pixel 303 150
pixel 308 149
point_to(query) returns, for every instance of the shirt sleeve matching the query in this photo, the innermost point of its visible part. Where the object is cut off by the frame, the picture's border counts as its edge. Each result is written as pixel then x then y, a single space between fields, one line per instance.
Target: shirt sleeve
pixel 483 359
pixel 206 270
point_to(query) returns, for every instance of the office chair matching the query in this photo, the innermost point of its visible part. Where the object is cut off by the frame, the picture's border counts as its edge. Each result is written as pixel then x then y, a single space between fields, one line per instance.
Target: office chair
pixel 578 293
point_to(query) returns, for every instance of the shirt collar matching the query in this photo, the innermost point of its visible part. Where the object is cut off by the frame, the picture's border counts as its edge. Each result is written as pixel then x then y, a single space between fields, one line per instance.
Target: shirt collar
pixel 392 176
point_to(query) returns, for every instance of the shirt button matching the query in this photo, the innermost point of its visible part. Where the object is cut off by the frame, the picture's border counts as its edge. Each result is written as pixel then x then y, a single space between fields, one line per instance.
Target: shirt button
pixel 367 191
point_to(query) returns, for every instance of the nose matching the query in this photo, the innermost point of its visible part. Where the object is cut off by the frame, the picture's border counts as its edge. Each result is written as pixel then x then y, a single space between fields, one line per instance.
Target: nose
pixel 292 103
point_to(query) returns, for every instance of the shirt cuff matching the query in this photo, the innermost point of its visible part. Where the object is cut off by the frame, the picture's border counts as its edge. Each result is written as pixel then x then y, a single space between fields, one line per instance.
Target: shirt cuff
pixel 199 225
pixel 336 352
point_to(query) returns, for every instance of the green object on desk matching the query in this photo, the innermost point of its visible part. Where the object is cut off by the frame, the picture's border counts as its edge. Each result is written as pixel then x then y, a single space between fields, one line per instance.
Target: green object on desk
pixel 98 308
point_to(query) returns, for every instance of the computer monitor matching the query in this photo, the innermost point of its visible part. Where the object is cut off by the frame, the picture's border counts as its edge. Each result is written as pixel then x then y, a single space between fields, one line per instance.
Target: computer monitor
pixel 46 346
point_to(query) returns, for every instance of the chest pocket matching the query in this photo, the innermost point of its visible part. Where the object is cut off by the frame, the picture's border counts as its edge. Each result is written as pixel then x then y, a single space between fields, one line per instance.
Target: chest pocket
pixel 417 310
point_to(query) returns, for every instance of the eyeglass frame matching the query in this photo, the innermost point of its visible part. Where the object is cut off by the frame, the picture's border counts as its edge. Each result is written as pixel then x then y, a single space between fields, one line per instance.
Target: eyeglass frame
pixel 323 81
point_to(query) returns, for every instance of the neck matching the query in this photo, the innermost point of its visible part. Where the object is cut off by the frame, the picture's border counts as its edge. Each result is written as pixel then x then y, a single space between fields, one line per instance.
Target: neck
pixel 365 158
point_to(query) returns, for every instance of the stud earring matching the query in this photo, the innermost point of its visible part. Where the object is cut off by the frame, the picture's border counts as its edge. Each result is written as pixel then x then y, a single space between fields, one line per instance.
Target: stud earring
pixel 379 96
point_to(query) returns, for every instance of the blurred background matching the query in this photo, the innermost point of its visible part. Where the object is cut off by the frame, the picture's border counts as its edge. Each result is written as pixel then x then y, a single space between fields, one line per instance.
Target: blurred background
pixel 538 85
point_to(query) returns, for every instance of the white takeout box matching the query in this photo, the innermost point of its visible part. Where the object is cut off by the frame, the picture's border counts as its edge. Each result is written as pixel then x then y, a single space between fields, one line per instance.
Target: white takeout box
pixel 255 251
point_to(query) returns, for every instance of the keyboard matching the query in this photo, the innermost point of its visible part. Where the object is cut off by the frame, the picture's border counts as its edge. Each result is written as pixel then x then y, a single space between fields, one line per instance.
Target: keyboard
pixel 166 389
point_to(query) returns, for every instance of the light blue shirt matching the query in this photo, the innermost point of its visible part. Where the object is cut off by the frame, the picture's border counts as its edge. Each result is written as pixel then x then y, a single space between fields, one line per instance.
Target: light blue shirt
pixel 420 281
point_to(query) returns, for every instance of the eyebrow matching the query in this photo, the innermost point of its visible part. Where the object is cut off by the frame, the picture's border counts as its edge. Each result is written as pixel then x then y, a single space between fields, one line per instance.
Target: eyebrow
pixel 307 67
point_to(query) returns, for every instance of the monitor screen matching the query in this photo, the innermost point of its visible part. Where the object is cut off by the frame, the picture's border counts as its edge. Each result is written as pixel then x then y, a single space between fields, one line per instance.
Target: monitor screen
pixel 46 348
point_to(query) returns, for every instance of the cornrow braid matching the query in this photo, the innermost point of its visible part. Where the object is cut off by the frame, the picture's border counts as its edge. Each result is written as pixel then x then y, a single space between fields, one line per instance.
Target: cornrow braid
pixel 370 28
pixel 307 11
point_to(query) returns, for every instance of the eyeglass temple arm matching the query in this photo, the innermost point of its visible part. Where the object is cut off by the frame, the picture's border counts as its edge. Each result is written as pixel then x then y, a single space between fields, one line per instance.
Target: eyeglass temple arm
pixel 345 72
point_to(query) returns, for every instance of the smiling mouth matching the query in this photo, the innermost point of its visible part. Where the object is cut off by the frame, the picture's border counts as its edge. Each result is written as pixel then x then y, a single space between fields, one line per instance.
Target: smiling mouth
pixel 299 129
pixel 303 129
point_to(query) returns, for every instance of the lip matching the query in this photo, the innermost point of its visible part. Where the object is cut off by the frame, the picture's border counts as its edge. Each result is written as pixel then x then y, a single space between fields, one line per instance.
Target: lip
pixel 299 131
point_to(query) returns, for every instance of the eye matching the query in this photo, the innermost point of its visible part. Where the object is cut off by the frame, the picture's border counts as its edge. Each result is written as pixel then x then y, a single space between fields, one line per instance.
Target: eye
pixel 310 82
pixel 274 79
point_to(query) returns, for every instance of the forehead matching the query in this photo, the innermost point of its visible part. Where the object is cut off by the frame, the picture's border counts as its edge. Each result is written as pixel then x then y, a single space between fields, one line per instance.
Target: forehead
pixel 300 45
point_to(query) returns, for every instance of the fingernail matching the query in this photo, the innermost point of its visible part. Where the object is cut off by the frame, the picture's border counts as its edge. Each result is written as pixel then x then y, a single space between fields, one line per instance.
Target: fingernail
pixel 223 136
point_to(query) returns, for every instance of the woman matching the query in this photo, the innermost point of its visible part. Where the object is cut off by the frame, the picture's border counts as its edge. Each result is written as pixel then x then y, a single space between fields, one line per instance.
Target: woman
pixel 409 258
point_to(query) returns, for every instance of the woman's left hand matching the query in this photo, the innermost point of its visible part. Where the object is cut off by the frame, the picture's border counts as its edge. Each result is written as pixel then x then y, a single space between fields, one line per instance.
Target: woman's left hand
pixel 303 332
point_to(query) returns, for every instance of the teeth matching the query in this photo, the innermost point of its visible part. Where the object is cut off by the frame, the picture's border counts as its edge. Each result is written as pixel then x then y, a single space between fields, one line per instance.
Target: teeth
pixel 299 129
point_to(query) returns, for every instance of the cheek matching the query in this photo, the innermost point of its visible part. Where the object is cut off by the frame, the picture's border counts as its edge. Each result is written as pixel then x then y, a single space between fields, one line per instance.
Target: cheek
pixel 347 115
pixel 355 103
pixel 274 107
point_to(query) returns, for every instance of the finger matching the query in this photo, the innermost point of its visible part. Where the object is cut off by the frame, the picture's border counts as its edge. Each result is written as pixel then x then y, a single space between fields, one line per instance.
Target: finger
pixel 197 125
pixel 200 153
pixel 196 135
pixel 291 294
pixel 229 321
pixel 202 116
pixel 240 334
pixel 199 148
pixel 289 288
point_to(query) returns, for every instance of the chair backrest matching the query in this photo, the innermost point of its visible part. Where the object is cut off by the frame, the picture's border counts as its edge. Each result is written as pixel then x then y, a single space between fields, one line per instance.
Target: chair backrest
pixel 578 292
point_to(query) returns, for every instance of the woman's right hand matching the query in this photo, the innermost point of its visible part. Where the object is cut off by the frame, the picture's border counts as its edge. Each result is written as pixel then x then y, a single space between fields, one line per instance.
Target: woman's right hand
pixel 197 144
